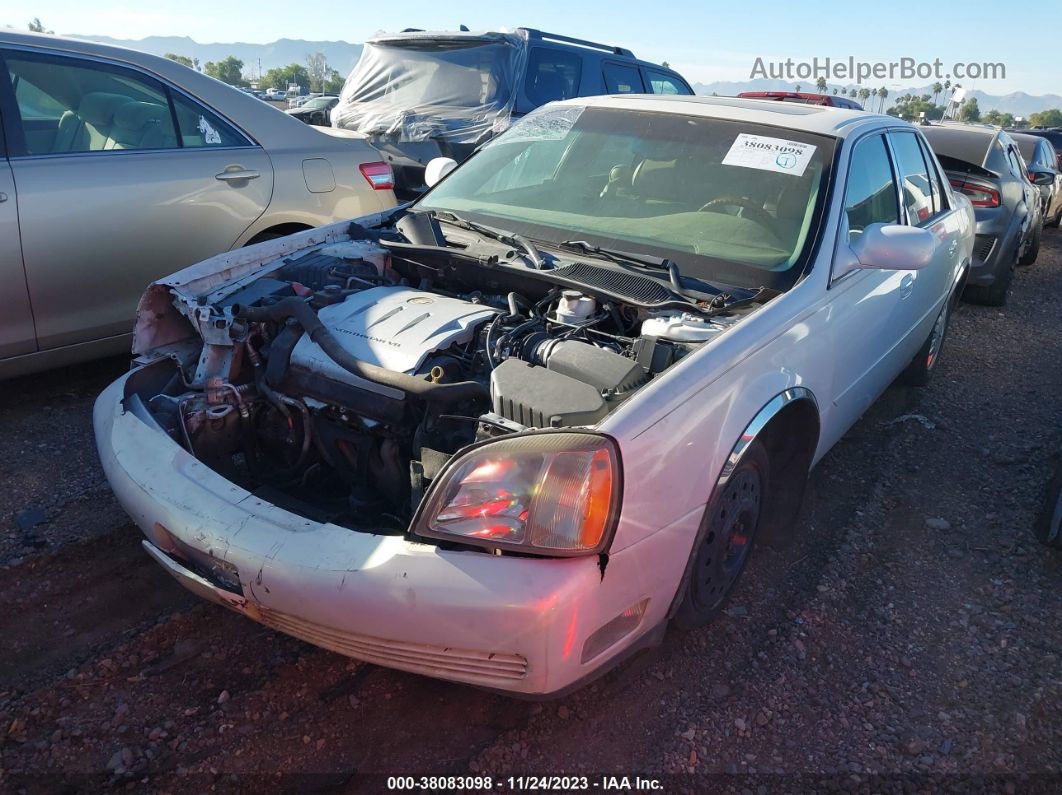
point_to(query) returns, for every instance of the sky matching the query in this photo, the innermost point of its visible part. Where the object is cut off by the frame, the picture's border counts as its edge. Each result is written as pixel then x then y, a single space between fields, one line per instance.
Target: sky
pixel 705 40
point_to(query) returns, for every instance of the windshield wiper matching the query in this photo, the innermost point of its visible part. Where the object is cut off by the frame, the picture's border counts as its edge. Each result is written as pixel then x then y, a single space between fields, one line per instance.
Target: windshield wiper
pixel 508 238
pixel 626 258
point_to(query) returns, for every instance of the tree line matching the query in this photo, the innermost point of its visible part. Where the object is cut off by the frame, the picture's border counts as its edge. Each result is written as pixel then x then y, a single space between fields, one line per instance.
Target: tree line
pixel 315 76
pixel 912 106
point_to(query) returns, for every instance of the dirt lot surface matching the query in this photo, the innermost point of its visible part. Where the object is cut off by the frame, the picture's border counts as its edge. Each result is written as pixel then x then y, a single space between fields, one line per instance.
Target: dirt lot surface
pixel 910 638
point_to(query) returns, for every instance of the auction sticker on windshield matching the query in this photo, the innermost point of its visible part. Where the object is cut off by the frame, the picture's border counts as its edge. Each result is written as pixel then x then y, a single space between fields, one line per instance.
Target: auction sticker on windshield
pixel 769 154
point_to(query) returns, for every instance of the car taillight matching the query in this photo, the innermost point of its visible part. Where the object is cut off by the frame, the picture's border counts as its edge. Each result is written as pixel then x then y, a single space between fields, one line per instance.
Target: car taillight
pixel 552 493
pixel 981 195
pixel 378 175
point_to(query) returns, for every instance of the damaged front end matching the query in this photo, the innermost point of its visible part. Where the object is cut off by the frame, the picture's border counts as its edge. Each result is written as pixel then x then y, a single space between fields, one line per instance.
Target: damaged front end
pixel 338 374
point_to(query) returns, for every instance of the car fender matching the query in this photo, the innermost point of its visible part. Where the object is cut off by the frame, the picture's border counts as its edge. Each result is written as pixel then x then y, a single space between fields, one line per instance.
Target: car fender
pixel 685 453
pixel 752 431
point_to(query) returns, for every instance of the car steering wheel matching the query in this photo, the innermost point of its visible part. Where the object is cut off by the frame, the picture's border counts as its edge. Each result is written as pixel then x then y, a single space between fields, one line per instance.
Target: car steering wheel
pixel 750 209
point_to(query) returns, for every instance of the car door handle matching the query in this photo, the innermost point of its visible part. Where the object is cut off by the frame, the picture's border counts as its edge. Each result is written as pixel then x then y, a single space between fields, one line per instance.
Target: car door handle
pixel 237 174
pixel 906 285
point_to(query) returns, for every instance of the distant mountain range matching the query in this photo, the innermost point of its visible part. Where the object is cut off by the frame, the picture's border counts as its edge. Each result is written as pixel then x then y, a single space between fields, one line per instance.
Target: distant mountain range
pixel 1018 103
pixel 341 55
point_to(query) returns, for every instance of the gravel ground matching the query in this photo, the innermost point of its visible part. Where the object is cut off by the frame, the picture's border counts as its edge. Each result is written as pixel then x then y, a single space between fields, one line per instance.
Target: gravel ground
pixel 908 639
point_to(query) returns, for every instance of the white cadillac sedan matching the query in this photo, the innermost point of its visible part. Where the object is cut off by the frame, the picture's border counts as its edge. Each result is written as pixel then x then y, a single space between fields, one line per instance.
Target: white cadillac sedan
pixel 507 434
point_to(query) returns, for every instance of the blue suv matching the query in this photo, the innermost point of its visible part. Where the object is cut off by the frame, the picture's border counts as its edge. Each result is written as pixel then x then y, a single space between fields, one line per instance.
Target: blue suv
pixel 420 94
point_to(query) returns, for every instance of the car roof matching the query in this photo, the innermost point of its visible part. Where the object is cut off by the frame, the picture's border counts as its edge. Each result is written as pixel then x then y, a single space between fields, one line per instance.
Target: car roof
pixel 524 36
pixel 822 119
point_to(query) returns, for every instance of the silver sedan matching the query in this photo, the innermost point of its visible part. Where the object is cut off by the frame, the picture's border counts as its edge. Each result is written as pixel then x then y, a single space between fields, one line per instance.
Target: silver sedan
pixel 118 167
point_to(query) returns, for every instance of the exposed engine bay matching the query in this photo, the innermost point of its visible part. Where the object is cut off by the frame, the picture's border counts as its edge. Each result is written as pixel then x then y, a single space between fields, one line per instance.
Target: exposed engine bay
pixel 338 381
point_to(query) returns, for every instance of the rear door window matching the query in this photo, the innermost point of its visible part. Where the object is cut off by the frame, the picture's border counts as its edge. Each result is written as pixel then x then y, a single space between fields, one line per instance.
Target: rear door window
pixel 660 83
pixel 620 79
pixel 69 105
pixel 919 197
pixel 936 178
pixel 201 128
pixel 552 75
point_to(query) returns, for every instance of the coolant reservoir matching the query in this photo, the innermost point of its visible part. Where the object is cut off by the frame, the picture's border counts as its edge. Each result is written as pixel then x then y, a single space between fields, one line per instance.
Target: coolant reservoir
pixel 682 327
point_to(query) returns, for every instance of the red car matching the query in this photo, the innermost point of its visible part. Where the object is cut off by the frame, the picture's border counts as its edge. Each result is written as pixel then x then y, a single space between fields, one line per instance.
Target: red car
pixel 805 99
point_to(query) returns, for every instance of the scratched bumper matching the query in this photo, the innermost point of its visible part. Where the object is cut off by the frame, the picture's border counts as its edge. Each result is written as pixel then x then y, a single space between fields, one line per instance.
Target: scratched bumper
pixel 511 623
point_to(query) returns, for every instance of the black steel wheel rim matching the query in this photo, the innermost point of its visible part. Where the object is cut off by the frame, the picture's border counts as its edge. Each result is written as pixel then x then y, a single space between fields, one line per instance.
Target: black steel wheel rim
pixel 729 537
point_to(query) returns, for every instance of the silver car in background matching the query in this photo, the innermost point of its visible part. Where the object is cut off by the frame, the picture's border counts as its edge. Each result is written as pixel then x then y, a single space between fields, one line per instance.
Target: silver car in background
pixel 1043 163
pixel 118 167
pixel 984 164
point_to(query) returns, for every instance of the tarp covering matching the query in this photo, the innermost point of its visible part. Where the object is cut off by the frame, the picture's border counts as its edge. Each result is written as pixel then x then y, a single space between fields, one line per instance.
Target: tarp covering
pixel 454 87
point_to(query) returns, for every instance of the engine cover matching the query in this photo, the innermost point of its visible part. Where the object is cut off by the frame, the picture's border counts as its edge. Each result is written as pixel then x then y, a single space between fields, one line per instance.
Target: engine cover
pixel 391 327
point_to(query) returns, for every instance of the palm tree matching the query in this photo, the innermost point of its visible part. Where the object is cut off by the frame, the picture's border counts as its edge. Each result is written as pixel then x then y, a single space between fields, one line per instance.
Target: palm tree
pixel 853 93
pixel 937 88
pixel 883 93
pixel 864 95
pixel 947 84
pixel 797 89
pixel 835 92
pixel 820 84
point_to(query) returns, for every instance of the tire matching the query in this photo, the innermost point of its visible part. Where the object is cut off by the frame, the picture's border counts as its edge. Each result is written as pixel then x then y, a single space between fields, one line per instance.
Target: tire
pixel 1049 522
pixel 725 544
pixel 994 294
pixel 1033 251
pixel 1054 222
pixel 920 371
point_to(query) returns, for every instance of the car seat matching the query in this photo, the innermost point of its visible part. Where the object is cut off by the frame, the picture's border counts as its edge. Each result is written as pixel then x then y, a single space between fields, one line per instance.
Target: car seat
pixel 88 130
pixel 142 125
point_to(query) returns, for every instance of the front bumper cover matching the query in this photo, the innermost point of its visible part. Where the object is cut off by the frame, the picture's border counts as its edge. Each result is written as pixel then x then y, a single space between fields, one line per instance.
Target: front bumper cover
pixel 503 622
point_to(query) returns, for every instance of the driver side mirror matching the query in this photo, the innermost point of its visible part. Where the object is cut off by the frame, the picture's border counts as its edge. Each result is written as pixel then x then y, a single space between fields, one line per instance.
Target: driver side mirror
pixel 438 168
pixel 884 247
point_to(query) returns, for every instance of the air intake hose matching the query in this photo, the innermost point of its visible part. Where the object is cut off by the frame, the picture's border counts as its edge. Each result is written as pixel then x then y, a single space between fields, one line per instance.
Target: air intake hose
pixel 305 316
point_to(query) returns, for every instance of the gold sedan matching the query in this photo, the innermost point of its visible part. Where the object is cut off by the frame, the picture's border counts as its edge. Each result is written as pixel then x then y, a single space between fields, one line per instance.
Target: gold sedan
pixel 118 167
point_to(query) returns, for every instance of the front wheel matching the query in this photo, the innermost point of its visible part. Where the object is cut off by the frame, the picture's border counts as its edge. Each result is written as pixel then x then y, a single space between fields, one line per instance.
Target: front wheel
pixel 726 539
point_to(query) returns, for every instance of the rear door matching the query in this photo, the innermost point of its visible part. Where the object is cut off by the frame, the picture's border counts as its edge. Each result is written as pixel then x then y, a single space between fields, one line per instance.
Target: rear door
pixel 927 205
pixel 122 179
pixel 16 319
